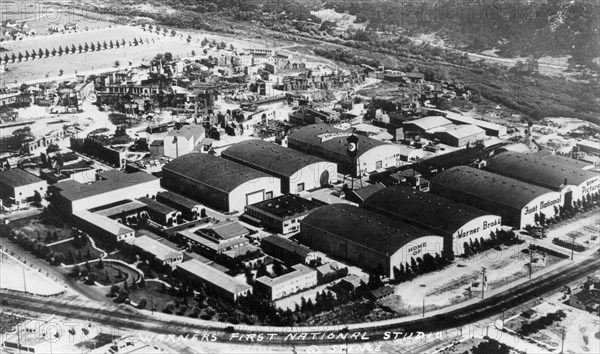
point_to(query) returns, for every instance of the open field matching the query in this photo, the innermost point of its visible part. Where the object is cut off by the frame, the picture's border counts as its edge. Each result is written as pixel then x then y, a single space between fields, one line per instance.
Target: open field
pixel 12 273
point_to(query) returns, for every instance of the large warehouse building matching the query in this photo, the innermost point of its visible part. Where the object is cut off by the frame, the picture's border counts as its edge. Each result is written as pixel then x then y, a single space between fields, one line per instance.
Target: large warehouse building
pixel 563 177
pixel 367 239
pixel 110 186
pixel 298 171
pixel 517 202
pixel 330 144
pixel 219 183
pixel 458 223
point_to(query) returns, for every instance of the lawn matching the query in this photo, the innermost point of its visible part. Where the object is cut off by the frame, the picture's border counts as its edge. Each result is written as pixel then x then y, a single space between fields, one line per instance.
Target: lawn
pixel 112 273
pixel 48 228
pixel 75 253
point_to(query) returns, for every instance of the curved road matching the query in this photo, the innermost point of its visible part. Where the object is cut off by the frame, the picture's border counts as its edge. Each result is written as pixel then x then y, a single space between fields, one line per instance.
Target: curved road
pixel 126 317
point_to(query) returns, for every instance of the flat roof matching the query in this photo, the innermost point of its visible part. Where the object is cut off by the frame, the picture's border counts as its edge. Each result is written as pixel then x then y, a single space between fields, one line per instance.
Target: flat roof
pixel 287 245
pixel 427 210
pixel 123 208
pixel 299 270
pixel 103 222
pixel 331 139
pixel 110 181
pixel 463 131
pixel 154 247
pixel 212 171
pixel 542 172
pixel 287 205
pixel 428 123
pixel 157 206
pixel 491 186
pixel 177 199
pixel 18 178
pixel 363 227
pixel 214 276
pixel 269 157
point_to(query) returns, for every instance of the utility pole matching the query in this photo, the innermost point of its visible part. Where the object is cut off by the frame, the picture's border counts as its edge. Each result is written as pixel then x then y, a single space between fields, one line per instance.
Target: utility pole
pixel 24 280
pixel 572 246
pixel 483 282
pixel 152 304
pixel 562 346
pixel 530 263
pixel 423 307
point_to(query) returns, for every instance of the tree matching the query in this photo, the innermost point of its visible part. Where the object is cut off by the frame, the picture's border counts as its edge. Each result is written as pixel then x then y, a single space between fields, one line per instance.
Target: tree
pixel 277 268
pixel 193 53
pixel 142 303
pixel 205 51
pixel 100 264
pixel 173 33
pixel 231 47
pixel 37 198
pixel 117 63
pixel 374 282
pixel 60 72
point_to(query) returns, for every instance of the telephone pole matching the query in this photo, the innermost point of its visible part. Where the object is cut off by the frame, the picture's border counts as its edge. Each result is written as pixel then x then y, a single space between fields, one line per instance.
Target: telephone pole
pixel 483 282
pixel 562 346
pixel 530 263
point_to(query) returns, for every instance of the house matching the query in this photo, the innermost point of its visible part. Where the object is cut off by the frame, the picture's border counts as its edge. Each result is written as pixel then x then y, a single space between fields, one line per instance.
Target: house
pixel 589 298
pixel 215 281
pixel 330 272
pixel 380 293
pixel 282 214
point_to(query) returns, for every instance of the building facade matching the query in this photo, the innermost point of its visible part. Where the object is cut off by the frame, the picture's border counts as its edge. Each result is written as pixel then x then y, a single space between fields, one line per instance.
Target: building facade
pixel 18 186
pixel 282 214
pixel 367 239
pixel 217 182
pixel 515 201
pixel 302 277
pixel 458 223
pixel 296 170
pixel 330 144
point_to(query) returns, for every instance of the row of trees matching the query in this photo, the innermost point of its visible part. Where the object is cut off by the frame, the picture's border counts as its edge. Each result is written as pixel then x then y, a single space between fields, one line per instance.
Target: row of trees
pixel 501 237
pixel 418 266
pixel 91 47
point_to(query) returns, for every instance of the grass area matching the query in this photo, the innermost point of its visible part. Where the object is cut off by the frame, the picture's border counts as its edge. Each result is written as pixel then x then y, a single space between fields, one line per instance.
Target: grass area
pixel 8 322
pixel 47 227
pixel 74 253
pixel 113 273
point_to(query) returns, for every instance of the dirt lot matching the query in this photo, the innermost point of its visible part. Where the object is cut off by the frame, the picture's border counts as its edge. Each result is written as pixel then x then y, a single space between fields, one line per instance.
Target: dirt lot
pixel 450 285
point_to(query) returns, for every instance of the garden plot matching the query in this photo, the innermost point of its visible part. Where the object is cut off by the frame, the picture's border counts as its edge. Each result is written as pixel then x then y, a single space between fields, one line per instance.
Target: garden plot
pixel 13 271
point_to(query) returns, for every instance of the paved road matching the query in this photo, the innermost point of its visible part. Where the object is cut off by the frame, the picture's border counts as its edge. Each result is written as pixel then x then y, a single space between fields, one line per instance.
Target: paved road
pixel 125 317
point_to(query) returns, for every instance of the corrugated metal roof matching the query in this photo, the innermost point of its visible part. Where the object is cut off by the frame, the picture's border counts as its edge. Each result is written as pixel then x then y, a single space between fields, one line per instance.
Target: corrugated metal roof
pixel 269 157
pixel 364 227
pixel 429 211
pixel 215 172
pixel 487 185
pixel 527 168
